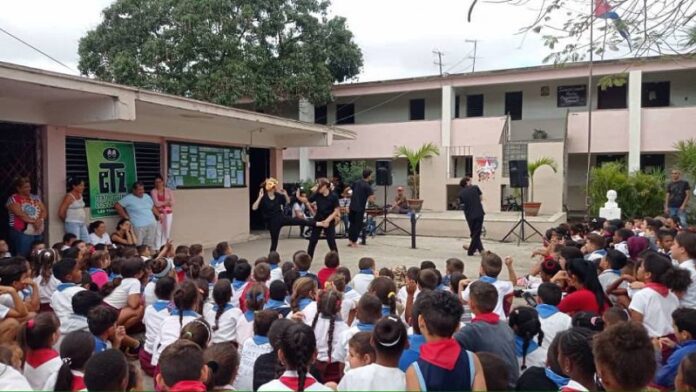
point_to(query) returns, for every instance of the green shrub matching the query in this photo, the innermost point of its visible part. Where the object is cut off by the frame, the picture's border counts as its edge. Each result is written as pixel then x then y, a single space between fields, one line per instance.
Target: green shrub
pixel 639 193
pixel 351 171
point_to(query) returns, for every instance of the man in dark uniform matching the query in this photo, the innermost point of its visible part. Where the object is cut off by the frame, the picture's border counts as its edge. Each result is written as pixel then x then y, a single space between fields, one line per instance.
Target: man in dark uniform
pixel 362 192
pixel 470 202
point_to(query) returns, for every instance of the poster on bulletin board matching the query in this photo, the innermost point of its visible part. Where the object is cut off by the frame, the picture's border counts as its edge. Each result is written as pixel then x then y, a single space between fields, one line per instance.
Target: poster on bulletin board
pixel 206 166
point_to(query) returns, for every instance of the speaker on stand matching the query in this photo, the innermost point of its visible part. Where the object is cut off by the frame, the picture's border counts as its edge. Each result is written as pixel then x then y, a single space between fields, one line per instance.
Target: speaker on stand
pixel 519 179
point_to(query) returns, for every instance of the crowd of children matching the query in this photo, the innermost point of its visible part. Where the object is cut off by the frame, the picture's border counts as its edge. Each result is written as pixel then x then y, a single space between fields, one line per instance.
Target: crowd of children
pixel 607 306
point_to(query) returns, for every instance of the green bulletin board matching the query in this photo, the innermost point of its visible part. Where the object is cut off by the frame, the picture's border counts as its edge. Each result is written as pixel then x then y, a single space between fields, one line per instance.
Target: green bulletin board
pixel 206 166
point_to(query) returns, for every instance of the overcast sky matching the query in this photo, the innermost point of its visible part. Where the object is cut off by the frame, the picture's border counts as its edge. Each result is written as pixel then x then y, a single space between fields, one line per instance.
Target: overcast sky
pixel 397 37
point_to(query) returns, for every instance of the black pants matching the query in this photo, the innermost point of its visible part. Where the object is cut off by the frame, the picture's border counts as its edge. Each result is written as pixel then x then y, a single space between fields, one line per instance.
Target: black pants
pixel 475 226
pixel 329 232
pixel 276 224
pixel 355 218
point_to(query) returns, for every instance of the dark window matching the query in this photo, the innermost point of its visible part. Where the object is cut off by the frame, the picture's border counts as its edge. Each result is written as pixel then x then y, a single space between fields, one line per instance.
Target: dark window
pixel 513 105
pixel 457 101
pixel 147 162
pixel 474 105
pixel 345 113
pixel 612 97
pixel 320 169
pixel 650 162
pixel 416 109
pixel 320 114
pixel 655 94
pixel 608 158
pixel 467 162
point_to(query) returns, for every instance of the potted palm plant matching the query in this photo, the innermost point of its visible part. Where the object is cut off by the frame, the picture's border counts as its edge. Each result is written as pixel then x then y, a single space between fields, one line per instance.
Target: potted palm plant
pixel 414 158
pixel 532 207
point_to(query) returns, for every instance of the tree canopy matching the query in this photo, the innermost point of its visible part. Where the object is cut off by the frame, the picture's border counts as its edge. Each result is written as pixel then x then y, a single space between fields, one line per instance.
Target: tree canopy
pixel 223 50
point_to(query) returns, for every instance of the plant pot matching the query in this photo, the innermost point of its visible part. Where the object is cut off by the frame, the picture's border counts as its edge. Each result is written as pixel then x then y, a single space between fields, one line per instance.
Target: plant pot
pixel 415 204
pixel 531 208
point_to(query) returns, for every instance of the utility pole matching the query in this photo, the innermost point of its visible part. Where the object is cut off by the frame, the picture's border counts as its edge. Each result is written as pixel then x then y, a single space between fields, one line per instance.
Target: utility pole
pixel 475 42
pixel 439 59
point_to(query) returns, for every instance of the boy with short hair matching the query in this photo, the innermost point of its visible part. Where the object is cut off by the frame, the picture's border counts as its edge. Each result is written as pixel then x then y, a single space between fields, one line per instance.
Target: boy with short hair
pixel 262 273
pixel 253 348
pixel 620 240
pixel 182 368
pixel 487 332
pixel 195 250
pixel 452 265
pixel 276 301
pixel 274 262
pixel 491 266
pixel 351 296
pixel 240 284
pixel 331 263
pixel 69 273
pixel 665 240
pixel 594 247
pixel 82 303
pixel 369 312
pixel 102 324
pixel 611 265
pixel 427 280
pixel 684 321
pixel 365 276
pixel 408 293
pixel 303 262
pixel 552 320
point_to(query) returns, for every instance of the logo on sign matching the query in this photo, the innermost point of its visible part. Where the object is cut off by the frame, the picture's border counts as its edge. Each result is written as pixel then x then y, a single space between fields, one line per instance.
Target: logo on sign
pixel 112 175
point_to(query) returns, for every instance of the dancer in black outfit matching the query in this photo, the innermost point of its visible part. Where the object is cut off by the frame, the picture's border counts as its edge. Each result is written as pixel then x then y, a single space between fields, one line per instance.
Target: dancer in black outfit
pixel 327 210
pixel 271 202
pixel 470 202
pixel 362 192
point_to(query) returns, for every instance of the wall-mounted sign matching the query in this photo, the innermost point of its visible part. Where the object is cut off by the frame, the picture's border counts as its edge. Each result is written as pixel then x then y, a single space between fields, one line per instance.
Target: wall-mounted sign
pixel 111 167
pixel 569 96
pixel 486 167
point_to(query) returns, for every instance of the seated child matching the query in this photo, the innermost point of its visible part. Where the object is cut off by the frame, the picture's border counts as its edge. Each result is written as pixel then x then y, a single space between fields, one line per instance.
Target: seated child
pixel 665 240
pixel 443 363
pixel 364 277
pixel 106 371
pixel 529 336
pixel 368 313
pixel 41 363
pixel 220 253
pixel 451 266
pixel 266 365
pixel 415 340
pixel 351 297
pixel 385 289
pixel 328 327
pixel 68 272
pixel 14 301
pixel 620 240
pixel 594 247
pixel 552 320
pixel 75 349
pixel 255 299
pixel 624 357
pixel 182 368
pixel 186 299
pixel 197 331
pixel 240 283
pixel 303 262
pixel 223 362
pixel 302 300
pixel 427 280
pixel 297 351
pixel 253 348
pixel 549 377
pixel 102 324
pixel 82 303
pixel 495 371
pixel 12 378
pixel 228 273
pixel 614 315
pixel 223 315
pixel 125 297
pixel 491 266
pixel 43 276
pixel 155 314
pixel 409 292
pixel 277 295
pixel 576 358
pixel 99 261
pixel 360 350
pixel 331 263
pixel 262 273
pixel 389 339
pixel 274 261
pixel 611 266
pixel 684 321
pixel 159 268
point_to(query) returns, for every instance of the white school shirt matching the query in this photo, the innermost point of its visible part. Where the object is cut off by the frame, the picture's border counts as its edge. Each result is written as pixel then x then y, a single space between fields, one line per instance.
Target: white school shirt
pixel 276 274
pixel 504 288
pixel 689 299
pixel 552 325
pixel 12 380
pixel 309 311
pixel 4 310
pixel 535 358
pixel 75 322
pixel 250 351
pixel 402 297
pixel 361 282
pixel 373 377
pixel 46 290
pixel 623 248
pixel 656 310
pixel 277 385
pixel 153 319
pixel 43 372
pixel 606 278
pixel 149 296
pixel 245 328
pixel 237 294
pixel 61 302
pixel 321 333
pixel 96 240
pixel 119 297
pixel 227 323
pixel 170 332
pixel 350 301
pixel 340 353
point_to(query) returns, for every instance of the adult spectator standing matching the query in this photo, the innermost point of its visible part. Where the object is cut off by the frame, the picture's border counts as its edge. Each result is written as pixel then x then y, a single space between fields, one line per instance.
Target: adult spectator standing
pixel 139 208
pixel 72 210
pixel 470 201
pixel 677 198
pixel 27 215
pixel 163 198
pixel 361 193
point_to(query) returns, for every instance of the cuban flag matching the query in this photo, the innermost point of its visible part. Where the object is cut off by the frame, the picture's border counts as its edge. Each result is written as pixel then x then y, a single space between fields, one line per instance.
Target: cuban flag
pixel 605 11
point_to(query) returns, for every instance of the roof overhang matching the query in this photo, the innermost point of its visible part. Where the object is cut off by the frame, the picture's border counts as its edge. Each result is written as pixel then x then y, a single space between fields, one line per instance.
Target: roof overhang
pixel 35 96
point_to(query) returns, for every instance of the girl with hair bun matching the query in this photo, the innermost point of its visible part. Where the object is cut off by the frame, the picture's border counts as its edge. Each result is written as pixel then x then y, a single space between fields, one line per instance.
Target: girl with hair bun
pixel 525 322
pixel 296 351
pixel 41 362
pixel 328 327
pixel 389 339
pixel 385 289
pixel 42 272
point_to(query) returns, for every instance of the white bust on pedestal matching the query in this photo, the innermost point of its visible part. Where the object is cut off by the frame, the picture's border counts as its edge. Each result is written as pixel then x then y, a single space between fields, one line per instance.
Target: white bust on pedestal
pixel 610 210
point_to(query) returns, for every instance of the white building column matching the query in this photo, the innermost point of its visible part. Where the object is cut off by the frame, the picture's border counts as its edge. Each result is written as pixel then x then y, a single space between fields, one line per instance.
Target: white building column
pixel 448 101
pixel 635 86
pixel 306 114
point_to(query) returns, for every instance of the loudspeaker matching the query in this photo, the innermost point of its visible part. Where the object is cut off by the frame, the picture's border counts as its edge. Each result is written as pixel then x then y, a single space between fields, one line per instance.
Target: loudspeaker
pixel 384 174
pixel 519 177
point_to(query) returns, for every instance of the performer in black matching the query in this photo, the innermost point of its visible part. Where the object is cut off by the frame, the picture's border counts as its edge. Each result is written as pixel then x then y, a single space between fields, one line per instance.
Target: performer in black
pixel 470 202
pixel 362 192
pixel 327 211
pixel 272 201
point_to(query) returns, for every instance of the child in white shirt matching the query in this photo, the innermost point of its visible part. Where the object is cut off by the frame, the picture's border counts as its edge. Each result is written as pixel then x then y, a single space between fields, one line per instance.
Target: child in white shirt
pixel 369 312
pixel 126 296
pixel 255 300
pixel 43 276
pixel 328 328
pixel 186 298
pixel 302 301
pixel 68 272
pixel 552 320
pixel 41 362
pixel 253 348
pixel 223 315
pixel 491 266
pixel 160 267
pixel 154 317
pixel 364 277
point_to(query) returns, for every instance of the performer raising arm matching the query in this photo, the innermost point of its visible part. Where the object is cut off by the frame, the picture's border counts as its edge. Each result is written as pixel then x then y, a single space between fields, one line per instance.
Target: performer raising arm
pixel 327 210
pixel 271 202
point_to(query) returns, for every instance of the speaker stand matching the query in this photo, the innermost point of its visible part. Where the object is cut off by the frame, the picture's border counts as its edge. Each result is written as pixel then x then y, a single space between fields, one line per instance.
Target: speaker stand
pixel 385 219
pixel 521 236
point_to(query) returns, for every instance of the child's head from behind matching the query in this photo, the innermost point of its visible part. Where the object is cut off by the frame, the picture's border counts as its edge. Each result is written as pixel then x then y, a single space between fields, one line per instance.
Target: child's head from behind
pixel 185 296
pixel 263 321
pixel 75 350
pixel 39 332
pixel 223 361
pixel 133 267
pixel 106 371
pixel 195 250
pixel 495 370
pixel 613 316
pixel 366 263
pixel 454 265
pixel 385 289
pixel 262 272
pixel 624 357
pixel 575 352
pixel 256 297
pixel 164 288
pixel 197 331
pixel 102 321
pixel 440 314
pixel 298 350
pixel 181 361
pixel 242 271
pixel 614 260
pixel 483 297
pixel 491 264
pixel 524 321
pixel 67 271
pixel 84 301
pixel 369 309
pixel 331 260
pixel 427 279
pixel 389 337
pixel 277 290
pixel 684 320
pixel 549 294
pixel 302 261
pixel 360 350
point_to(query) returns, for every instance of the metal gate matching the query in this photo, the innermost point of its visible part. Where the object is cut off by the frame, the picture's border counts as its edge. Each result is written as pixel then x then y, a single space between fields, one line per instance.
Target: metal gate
pixel 20 155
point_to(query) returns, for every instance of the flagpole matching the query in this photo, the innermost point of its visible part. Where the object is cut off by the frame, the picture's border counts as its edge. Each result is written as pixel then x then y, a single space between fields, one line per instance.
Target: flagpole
pixel 590 91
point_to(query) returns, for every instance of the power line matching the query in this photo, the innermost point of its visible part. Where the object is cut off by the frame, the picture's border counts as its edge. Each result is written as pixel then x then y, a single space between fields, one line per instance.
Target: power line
pixel 439 55
pixel 475 42
pixel 35 48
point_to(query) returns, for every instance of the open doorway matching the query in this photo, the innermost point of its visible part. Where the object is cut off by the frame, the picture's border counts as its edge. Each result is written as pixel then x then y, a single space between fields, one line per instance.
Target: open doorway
pixel 259 170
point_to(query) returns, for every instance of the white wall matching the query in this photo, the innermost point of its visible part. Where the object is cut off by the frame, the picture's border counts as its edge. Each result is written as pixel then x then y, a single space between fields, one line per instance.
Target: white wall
pixel 291 171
